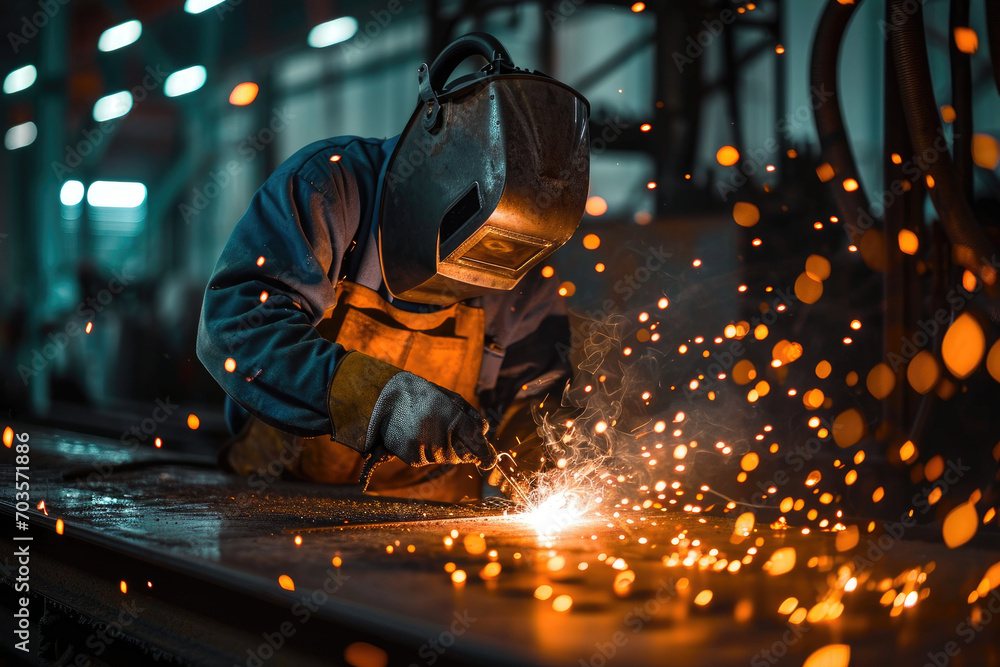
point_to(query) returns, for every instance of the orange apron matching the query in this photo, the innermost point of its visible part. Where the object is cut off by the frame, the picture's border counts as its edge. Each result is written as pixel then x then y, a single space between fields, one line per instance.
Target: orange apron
pixel 445 347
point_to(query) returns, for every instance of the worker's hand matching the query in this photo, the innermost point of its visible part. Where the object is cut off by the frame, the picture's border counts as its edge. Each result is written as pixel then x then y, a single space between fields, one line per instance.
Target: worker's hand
pixel 422 423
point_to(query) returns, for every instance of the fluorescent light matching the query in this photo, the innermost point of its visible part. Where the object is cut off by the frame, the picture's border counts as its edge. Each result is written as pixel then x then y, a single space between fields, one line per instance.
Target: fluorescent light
pixel 112 106
pixel 198 6
pixel 116 194
pixel 119 36
pixel 71 196
pixel 333 32
pixel 20 136
pixel 71 193
pixel 184 81
pixel 20 79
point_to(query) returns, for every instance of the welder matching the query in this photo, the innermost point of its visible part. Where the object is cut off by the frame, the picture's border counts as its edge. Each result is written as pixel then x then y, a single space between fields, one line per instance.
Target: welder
pixel 381 304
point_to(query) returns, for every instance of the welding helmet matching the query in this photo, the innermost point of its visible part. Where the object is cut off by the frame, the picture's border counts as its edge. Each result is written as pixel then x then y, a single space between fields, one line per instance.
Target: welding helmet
pixel 489 177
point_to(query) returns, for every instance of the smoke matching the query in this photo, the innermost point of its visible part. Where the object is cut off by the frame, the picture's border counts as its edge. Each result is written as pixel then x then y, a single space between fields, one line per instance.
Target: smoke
pixel 595 442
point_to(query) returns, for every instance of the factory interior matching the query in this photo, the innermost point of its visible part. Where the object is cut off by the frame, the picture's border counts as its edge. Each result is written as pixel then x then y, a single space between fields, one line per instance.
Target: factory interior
pixel 750 415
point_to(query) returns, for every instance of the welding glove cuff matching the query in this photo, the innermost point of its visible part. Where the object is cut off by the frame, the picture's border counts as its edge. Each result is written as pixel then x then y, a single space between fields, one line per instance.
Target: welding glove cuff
pixel 376 408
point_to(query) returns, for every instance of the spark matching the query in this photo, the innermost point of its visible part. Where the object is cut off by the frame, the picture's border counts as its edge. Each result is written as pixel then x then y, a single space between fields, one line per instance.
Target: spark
pixel 556 512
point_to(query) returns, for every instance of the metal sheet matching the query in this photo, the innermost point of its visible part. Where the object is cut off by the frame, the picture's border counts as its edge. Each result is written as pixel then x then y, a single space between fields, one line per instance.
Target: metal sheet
pixel 202 530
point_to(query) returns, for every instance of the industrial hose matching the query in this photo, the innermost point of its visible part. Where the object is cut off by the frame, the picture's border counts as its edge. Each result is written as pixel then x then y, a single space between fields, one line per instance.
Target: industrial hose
pixel 961 99
pixel 909 52
pixel 836 150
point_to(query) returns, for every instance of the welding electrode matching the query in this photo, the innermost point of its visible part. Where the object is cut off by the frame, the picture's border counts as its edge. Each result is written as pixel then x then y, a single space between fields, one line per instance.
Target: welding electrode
pixel 507 478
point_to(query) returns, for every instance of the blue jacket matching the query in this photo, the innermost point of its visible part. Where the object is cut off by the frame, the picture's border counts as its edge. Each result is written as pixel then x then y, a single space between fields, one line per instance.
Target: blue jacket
pixel 314 222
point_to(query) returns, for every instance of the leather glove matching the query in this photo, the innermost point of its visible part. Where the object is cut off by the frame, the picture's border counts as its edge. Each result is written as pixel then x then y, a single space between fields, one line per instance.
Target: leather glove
pixel 382 411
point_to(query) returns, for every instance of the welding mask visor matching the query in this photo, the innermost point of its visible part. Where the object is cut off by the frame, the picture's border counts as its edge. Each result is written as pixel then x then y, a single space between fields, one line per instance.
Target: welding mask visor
pixel 489 177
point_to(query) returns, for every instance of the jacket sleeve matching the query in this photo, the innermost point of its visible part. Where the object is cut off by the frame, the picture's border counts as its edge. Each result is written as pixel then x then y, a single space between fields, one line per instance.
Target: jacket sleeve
pixel 274 281
pixel 531 331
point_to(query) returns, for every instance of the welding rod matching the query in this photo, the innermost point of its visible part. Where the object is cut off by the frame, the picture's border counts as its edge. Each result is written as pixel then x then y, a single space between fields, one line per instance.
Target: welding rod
pixel 507 478
pixel 514 485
